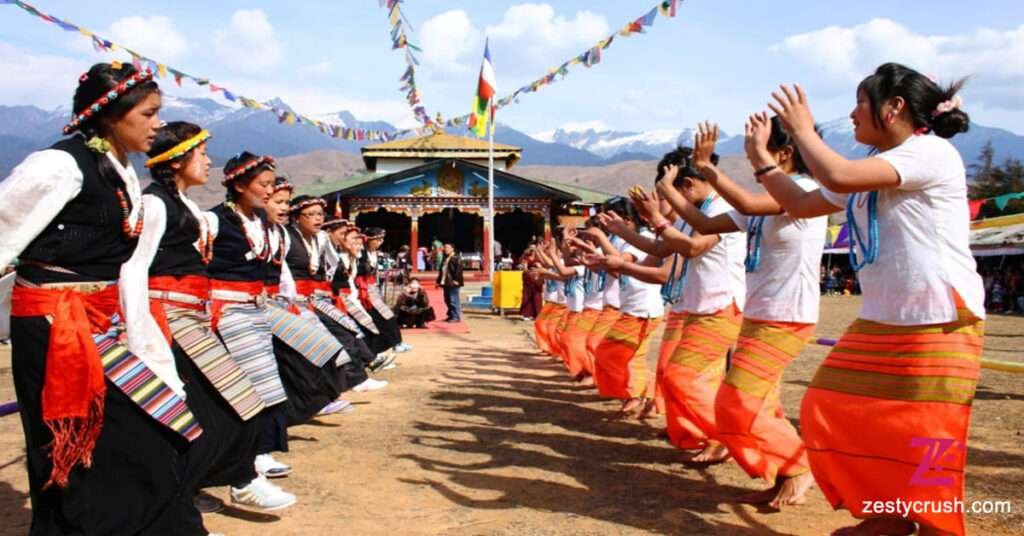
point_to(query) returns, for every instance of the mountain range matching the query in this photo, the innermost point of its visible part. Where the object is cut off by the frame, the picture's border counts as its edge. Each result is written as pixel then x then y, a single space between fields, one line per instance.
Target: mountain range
pixel 559 154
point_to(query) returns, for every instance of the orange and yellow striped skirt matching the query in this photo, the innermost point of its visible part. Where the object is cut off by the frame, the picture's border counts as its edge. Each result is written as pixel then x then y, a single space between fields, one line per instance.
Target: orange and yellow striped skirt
pixel 748 413
pixel 620 370
pixel 693 374
pixel 609 315
pixel 669 342
pixel 542 326
pixel 887 414
pixel 574 340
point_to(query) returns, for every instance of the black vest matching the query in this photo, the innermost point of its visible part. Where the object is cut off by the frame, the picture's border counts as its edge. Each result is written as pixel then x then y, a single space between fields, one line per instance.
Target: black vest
pixel 87 235
pixel 298 258
pixel 364 266
pixel 230 248
pixel 177 255
pixel 340 280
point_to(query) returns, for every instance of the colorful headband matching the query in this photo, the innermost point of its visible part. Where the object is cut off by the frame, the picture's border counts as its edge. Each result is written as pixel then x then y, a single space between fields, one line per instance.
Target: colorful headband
pixel 948 106
pixel 250 165
pixel 376 235
pixel 179 150
pixel 283 185
pixel 110 96
pixel 306 203
pixel 332 224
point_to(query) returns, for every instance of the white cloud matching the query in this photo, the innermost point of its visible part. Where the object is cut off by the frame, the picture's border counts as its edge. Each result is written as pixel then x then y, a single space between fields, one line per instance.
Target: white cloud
pixel 449 40
pixel 37 79
pixel 529 39
pixel 248 42
pixel 153 36
pixel 844 55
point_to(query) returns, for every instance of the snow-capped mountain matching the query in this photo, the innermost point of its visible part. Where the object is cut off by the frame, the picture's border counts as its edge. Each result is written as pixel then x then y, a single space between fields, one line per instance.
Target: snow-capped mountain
pixel 27 128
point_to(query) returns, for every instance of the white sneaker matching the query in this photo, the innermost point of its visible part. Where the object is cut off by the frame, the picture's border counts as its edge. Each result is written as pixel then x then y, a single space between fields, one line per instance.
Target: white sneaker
pixel 402 347
pixel 267 466
pixel 370 385
pixel 260 493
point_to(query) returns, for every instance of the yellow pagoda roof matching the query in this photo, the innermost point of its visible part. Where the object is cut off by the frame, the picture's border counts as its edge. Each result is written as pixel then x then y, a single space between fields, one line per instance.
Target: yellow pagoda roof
pixel 439 144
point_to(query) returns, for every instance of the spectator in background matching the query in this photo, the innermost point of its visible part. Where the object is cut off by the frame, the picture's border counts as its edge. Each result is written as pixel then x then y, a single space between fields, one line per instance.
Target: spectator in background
pixel 413 307
pixel 449 278
pixel 533 286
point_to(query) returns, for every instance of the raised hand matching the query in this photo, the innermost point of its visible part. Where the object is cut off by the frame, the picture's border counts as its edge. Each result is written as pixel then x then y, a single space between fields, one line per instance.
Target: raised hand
pixel 582 245
pixel 704 144
pixel 613 223
pixel 792 108
pixel 756 132
pixel 646 204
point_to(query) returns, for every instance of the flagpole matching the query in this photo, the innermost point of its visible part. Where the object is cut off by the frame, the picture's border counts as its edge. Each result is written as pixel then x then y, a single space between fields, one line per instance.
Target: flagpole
pixel 490 194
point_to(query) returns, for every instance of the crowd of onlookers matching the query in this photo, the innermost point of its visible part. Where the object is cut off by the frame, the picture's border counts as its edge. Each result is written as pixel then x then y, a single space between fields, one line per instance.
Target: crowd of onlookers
pixel 1004 287
pixel 838 281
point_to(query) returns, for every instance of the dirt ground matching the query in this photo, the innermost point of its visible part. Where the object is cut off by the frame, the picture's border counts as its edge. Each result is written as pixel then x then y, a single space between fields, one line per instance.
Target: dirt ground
pixel 479 434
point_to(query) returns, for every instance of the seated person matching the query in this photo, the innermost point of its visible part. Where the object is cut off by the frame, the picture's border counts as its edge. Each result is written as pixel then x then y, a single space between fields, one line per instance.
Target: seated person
pixel 413 307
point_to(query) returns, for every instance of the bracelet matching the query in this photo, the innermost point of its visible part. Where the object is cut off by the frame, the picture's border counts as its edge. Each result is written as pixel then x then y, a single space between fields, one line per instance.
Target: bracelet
pixel 764 170
pixel 660 228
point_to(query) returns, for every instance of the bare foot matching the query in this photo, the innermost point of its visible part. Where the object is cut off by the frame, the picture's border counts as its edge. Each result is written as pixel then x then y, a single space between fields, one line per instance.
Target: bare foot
pixel 879 526
pixel 650 409
pixel 793 491
pixel 630 408
pixel 713 453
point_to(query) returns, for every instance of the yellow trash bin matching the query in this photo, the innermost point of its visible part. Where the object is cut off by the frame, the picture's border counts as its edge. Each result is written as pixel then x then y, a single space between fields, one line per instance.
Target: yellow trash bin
pixel 508 290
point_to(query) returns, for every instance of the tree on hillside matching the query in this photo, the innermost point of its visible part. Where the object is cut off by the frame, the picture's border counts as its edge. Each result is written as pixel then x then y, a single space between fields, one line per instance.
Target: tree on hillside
pixel 992 180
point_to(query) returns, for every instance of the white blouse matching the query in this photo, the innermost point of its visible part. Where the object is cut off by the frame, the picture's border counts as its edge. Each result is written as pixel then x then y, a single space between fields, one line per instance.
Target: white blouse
pixel 145 339
pixel 924 251
pixel 785 288
pixel 717 278
pixel 33 195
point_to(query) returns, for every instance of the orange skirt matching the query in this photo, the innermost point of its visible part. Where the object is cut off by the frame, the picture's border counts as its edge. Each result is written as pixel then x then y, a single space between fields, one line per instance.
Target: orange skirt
pixel 542 327
pixel 563 332
pixel 609 315
pixel 693 374
pixel 748 413
pixel 574 340
pixel 886 416
pixel 669 342
pixel 621 367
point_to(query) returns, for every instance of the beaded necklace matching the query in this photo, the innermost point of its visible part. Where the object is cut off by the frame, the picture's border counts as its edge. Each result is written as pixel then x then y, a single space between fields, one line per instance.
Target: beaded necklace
pixel 126 227
pixel 868 245
pixel 754 226
pixel 264 249
pixel 673 290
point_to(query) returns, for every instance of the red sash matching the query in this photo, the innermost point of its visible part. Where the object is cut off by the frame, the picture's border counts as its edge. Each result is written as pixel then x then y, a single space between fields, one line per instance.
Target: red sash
pixel 194 285
pixel 73 383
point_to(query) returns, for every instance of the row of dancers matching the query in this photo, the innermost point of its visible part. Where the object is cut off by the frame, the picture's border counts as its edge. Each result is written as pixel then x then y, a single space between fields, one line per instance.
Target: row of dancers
pixel 886 416
pixel 158 349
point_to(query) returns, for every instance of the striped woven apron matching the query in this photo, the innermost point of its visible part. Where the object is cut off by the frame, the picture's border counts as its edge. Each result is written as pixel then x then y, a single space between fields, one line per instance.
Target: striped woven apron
pixel 244 328
pixel 180 305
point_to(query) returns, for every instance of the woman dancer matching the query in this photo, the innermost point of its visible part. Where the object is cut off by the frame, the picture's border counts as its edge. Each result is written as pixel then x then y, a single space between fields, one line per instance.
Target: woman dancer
pixel 73 214
pixel 886 415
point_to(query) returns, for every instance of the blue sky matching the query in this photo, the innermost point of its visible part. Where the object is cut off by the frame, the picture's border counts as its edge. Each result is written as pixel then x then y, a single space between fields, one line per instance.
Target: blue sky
pixel 716 60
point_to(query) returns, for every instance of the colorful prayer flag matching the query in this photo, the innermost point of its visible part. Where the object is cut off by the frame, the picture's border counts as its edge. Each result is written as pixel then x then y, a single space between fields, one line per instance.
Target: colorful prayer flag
pixel 483 105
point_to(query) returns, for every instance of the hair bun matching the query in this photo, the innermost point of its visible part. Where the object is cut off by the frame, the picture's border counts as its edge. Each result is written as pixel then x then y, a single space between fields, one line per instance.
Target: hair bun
pixel 951 123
